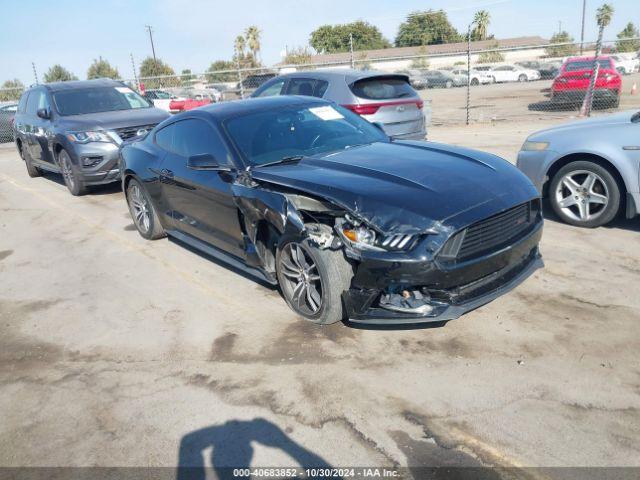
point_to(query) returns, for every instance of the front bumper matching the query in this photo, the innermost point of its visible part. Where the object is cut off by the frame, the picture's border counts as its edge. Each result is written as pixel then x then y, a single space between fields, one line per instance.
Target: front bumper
pixel 454 290
pixel 104 162
pixel 576 96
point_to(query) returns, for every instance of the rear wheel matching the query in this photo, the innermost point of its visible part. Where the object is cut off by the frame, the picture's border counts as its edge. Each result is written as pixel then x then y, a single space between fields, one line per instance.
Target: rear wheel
pixel 72 178
pixel 585 194
pixel 523 78
pixel 312 280
pixel 32 170
pixel 448 84
pixel 143 213
pixel 475 81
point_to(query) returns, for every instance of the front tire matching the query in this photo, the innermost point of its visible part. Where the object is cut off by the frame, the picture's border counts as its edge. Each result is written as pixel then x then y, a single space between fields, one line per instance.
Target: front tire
pixel 70 174
pixel 312 280
pixel 449 84
pixel 143 212
pixel 523 78
pixel 585 194
pixel 475 82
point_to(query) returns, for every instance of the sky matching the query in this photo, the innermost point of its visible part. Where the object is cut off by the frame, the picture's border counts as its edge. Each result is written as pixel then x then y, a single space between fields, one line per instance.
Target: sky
pixel 191 34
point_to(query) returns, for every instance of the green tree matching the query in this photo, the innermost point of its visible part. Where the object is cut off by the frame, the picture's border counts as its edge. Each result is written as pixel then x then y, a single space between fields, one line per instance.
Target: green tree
pixel 491 56
pixel 421 63
pixel 212 72
pixel 58 73
pixel 426 28
pixel 150 68
pixel 629 32
pixel 561 50
pixel 298 56
pixel 11 90
pixel 481 21
pixel 186 75
pixel 603 18
pixel 101 68
pixel 337 38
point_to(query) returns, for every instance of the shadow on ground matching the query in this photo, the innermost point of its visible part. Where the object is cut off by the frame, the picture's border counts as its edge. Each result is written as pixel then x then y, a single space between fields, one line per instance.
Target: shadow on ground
pixel 229 446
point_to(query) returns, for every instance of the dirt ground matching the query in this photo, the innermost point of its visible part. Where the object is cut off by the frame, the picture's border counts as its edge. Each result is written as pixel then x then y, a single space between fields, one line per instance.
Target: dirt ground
pixel 115 351
pixel 509 102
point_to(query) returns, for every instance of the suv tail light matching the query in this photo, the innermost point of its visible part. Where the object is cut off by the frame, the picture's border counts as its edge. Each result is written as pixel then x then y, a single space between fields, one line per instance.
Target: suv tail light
pixel 371 108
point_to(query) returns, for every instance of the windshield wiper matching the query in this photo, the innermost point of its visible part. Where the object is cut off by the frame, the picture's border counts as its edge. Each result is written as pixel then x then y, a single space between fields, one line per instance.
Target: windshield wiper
pixel 283 161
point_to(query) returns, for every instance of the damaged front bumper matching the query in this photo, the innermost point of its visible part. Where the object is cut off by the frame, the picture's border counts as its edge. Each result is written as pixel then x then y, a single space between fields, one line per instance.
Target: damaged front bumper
pixel 447 290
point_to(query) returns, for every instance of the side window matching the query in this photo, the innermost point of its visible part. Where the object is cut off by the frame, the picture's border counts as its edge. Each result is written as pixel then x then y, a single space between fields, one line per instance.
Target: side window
pixel 195 136
pixel 34 101
pixel 272 90
pixel 164 137
pixel 300 86
pixel 22 105
pixel 321 88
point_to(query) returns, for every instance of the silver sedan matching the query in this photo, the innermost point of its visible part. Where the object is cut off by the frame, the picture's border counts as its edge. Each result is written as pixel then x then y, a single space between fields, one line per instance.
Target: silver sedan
pixel 589 169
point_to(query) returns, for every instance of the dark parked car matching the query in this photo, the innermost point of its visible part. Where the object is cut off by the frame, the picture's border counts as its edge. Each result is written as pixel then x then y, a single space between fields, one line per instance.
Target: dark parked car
pixel 7 112
pixel 442 79
pixel 303 193
pixel 382 98
pixel 75 128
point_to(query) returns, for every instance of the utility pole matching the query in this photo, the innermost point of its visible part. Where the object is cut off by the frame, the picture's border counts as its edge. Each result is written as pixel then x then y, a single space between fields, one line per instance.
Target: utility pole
pixel 153 48
pixel 584 10
pixel 135 75
pixel 353 64
pixel 35 73
pixel 559 26
pixel 468 74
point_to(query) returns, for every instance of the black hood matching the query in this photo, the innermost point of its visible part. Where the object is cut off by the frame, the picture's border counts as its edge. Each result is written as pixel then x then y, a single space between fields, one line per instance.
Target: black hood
pixel 408 187
pixel 112 120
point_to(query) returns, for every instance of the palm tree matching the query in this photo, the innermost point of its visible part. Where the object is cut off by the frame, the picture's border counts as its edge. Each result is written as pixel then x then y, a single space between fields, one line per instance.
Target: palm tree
pixel 481 21
pixel 252 34
pixel 603 17
pixel 239 46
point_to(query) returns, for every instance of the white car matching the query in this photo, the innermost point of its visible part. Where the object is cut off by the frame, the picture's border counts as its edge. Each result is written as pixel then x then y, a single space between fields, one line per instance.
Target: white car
pixel 477 78
pixel 626 66
pixel 512 73
pixel 161 99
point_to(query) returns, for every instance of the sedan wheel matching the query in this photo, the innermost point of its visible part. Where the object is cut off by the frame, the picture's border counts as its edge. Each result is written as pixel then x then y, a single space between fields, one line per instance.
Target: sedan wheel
pixel 302 283
pixel 522 78
pixel 143 213
pixel 312 280
pixel 585 194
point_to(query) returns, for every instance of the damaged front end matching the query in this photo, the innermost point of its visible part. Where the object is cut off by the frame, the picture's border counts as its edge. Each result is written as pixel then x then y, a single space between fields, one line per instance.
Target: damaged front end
pixel 404 275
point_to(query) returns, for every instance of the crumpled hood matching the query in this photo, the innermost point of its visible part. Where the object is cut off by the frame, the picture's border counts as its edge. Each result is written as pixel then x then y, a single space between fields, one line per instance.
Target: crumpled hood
pixel 113 120
pixel 408 187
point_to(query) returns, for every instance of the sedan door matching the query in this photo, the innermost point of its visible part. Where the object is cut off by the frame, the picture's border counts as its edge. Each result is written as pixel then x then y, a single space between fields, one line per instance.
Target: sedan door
pixel 201 201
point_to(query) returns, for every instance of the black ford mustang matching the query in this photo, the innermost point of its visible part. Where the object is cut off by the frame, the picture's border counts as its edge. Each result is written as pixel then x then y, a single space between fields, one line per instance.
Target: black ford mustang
pixel 305 194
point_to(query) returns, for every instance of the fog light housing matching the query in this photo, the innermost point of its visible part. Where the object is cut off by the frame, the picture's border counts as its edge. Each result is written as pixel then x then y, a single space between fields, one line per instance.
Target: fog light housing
pixel 90 161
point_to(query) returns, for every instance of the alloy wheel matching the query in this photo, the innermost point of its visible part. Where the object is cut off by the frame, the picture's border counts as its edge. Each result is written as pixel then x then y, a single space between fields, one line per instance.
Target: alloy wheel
pixel 302 284
pixel 67 171
pixel 582 195
pixel 139 208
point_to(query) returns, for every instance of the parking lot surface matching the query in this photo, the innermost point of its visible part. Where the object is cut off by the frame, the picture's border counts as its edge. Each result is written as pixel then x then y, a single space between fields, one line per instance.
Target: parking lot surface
pixel 116 351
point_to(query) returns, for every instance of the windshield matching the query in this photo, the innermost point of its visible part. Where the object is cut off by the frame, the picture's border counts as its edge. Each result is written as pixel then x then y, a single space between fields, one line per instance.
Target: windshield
pixel 97 99
pixel 162 95
pixel 585 65
pixel 265 137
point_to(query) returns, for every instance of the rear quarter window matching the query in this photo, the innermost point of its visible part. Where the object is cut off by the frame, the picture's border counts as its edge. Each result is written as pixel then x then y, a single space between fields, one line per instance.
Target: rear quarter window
pixel 382 88
pixel 22 105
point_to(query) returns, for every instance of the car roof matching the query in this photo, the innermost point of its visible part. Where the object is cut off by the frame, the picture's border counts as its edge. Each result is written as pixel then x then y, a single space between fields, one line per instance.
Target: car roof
pixel 78 84
pixel 224 110
pixel 348 74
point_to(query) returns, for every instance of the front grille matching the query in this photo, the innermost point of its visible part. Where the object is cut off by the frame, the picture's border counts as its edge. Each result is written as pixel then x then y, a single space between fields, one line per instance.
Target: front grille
pixel 128 132
pixel 493 233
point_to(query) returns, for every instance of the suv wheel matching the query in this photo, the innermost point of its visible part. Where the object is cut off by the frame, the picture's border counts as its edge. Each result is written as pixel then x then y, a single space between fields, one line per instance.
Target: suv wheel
pixel 72 178
pixel 585 194
pixel 32 170
pixel 312 280
pixel 143 213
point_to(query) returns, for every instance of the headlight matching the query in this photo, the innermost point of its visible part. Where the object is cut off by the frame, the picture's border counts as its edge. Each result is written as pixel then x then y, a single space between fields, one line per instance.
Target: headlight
pixel 364 238
pixel 359 237
pixel 87 137
pixel 534 146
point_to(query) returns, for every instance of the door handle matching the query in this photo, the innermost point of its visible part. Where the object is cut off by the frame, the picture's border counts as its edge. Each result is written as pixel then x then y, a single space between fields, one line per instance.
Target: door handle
pixel 166 173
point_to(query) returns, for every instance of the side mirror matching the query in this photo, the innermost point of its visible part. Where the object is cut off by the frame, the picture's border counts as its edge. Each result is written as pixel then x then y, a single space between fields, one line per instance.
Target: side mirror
pixel 44 113
pixel 206 161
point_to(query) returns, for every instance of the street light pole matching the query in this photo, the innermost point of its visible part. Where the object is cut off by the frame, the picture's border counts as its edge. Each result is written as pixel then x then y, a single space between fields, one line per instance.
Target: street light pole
pixel 584 10
pixel 153 48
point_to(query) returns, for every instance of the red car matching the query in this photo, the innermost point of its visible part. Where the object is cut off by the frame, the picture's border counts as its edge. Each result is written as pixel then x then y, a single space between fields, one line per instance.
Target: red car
pixel 188 104
pixel 572 82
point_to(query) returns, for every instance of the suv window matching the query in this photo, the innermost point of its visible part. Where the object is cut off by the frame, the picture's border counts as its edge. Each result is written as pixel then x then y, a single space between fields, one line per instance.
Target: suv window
pixel 37 99
pixel 382 88
pixel 272 90
pixel 321 88
pixel 22 104
pixel 301 86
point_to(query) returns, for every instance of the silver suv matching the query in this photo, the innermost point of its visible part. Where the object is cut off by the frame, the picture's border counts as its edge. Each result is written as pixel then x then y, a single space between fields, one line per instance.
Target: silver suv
pixel 381 98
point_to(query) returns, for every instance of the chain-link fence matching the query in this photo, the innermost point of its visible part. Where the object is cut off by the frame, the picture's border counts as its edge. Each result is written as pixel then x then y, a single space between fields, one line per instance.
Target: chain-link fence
pixel 521 80
pixel 8 105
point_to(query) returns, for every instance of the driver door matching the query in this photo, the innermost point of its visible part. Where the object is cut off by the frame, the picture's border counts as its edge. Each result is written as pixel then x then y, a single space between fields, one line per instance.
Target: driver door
pixel 201 201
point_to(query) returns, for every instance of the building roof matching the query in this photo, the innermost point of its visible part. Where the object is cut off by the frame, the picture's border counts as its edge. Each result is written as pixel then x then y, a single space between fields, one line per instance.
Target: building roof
pixel 441 49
